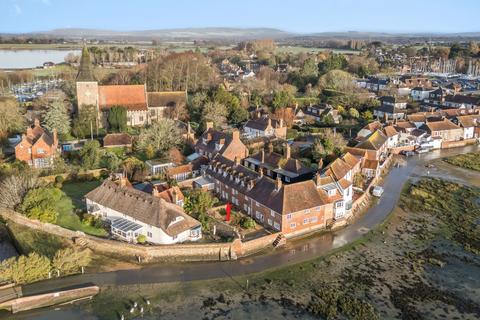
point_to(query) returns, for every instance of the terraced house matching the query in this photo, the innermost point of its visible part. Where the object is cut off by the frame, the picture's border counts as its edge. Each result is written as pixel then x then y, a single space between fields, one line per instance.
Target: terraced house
pixel 292 209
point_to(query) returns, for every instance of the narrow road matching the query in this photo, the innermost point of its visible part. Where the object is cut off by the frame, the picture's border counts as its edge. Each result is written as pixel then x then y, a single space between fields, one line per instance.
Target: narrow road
pixel 294 252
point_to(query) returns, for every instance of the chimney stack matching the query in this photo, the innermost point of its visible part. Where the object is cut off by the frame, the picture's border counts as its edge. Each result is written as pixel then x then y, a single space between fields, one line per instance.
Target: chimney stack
pixel 278 183
pixel 287 151
pixel 262 156
pixel 175 196
pixel 55 136
pixel 154 191
pixel 237 161
pixel 235 135
pixel 270 147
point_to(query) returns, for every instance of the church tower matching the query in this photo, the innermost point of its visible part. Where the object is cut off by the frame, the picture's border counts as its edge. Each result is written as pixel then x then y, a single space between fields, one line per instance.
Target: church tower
pixel 87 85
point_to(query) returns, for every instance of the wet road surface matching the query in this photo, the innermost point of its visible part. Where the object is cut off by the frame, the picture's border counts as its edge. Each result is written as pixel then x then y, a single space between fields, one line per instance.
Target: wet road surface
pixel 294 252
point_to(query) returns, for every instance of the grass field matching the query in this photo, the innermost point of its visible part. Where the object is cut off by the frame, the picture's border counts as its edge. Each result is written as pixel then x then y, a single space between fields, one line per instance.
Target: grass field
pixel 78 189
pixel 467 161
pixel 297 49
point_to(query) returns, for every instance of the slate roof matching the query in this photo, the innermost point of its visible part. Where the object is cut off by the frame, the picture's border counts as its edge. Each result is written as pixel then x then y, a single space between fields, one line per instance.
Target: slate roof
pixel 462 99
pixel 144 207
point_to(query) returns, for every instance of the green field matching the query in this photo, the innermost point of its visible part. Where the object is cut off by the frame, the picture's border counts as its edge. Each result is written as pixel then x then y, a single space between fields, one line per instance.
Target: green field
pixel 298 49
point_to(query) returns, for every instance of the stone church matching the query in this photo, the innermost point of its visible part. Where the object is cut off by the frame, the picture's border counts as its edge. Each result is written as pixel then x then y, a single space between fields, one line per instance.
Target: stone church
pixel 142 107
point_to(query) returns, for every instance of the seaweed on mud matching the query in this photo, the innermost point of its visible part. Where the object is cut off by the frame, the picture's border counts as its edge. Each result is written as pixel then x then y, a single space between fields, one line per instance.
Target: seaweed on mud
pixel 404 298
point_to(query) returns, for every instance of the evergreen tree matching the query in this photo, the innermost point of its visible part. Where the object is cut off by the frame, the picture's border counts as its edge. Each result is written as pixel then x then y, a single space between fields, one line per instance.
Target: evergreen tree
pixel 56 117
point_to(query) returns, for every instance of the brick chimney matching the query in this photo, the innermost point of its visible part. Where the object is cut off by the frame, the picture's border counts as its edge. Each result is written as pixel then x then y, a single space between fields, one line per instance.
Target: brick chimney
pixel 174 196
pixel 55 136
pixel 235 135
pixel 278 183
pixel 287 151
pixel 155 191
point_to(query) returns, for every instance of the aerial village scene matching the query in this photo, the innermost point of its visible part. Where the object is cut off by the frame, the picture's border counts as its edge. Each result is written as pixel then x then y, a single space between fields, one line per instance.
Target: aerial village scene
pixel 239 160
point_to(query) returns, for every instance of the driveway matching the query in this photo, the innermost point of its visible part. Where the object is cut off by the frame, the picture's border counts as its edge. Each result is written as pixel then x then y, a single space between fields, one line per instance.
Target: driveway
pixel 294 252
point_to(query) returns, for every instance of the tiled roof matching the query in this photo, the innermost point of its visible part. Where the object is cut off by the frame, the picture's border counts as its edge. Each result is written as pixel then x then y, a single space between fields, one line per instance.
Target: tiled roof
pixel 168 194
pixel 370 164
pixel 117 139
pixel 374 142
pixel 441 125
pixel 350 159
pixel 144 207
pixel 186 168
pixel 338 169
pixel 231 147
pixel 390 131
pixel 469 121
pixel 289 198
pixel 132 97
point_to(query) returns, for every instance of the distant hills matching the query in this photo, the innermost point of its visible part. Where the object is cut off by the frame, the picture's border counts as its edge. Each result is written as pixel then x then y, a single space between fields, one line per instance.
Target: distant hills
pixel 189 34
pixel 165 34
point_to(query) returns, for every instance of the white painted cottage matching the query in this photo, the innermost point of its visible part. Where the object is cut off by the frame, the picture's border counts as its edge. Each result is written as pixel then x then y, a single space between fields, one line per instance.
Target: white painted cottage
pixel 132 212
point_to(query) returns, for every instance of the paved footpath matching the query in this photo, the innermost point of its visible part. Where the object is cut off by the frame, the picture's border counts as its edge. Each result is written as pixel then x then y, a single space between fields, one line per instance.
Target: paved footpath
pixel 294 252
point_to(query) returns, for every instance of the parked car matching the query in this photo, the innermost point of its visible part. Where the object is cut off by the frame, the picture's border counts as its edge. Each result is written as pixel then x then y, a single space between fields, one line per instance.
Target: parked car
pixel 422 150
pixel 407 153
pixel 377 191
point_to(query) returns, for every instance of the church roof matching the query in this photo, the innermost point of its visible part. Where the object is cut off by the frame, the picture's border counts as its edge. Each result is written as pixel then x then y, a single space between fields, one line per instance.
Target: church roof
pixel 132 97
pixel 85 71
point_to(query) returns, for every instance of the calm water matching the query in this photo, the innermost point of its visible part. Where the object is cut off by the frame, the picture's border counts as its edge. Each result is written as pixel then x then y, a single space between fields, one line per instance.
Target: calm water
pixel 20 59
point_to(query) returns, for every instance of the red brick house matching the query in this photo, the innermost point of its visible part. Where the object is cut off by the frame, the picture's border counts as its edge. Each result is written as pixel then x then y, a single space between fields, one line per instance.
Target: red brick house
pixel 289 208
pixel 227 144
pixel 38 147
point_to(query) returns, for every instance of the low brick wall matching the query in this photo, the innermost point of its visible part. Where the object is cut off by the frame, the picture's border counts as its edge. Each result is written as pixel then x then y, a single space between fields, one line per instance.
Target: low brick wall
pixel 174 252
pixel 400 149
pixel 460 143
pixel 80 175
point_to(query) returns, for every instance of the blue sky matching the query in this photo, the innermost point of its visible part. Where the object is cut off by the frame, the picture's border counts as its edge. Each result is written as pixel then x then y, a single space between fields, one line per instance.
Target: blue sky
pixel 297 16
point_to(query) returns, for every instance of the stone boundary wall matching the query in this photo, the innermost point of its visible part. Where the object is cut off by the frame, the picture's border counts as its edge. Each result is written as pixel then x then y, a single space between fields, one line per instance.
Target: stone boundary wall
pixel 174 252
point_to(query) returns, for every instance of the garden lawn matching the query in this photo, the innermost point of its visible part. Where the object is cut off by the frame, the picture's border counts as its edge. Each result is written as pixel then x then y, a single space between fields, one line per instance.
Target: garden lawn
pixel 78 189
pixel 66 216
pixel 468 161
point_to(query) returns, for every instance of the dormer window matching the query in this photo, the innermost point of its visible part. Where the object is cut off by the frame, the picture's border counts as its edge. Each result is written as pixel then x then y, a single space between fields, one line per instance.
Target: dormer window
pixel 176 220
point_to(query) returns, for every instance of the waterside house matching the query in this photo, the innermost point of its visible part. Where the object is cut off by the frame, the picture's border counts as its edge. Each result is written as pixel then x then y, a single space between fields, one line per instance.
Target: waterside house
pixel 131 212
